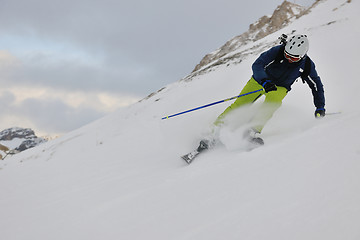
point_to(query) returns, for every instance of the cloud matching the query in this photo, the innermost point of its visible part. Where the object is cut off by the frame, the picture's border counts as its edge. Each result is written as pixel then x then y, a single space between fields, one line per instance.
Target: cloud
pixel 142 44
pixel 104 54
pixel 56 95
pixel 67 72
pixel 50 111
pixel 55 116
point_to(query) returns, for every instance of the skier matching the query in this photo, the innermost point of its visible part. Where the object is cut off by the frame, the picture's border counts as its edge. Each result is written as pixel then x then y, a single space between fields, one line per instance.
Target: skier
pixel 275 71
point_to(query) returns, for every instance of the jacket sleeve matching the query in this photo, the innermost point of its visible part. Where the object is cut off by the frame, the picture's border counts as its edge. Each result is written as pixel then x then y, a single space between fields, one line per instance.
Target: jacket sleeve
pixel 262 61
pixel 317 88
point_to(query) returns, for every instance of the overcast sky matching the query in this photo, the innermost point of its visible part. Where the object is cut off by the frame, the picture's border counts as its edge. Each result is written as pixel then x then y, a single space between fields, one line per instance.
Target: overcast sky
pixel 65 63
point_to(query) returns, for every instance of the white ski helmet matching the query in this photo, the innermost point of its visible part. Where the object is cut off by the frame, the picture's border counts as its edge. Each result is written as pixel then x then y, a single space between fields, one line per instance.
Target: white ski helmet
pixel 297 46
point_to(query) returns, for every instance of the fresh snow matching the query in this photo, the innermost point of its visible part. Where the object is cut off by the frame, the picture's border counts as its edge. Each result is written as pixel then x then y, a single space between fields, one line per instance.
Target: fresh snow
pixel 121 177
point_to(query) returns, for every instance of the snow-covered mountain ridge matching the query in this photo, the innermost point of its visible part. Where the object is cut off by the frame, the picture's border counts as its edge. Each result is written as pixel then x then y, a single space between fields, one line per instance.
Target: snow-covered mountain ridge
pixel 281 17
pixel 121 177
pixel 20 139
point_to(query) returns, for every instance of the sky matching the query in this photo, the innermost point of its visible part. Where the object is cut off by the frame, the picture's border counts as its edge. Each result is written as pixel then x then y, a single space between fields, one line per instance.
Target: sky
pixel 66 63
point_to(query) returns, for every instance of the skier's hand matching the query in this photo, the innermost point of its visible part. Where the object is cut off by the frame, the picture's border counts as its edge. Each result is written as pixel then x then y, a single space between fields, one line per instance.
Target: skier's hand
pixel 320 113
pixel 268 85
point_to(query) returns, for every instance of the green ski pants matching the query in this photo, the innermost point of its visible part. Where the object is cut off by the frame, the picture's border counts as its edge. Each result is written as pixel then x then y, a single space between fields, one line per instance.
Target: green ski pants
pixel 273 101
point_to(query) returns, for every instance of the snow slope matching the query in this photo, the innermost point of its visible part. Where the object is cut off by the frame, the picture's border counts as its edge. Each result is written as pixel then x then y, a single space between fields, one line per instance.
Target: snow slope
pixel 121 177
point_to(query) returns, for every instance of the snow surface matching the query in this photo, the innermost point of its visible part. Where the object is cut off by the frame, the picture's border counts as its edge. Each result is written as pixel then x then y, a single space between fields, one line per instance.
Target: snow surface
pixel 121 177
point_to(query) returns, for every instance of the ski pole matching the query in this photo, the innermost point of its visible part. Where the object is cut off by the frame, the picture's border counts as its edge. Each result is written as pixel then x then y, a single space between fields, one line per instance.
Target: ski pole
pixel 332 113
pixel 10 152
pixel 211 104
pixel 3 158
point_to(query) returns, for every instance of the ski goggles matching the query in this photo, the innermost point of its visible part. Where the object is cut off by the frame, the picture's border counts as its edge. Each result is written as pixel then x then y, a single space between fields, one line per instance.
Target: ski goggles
pixel 292 58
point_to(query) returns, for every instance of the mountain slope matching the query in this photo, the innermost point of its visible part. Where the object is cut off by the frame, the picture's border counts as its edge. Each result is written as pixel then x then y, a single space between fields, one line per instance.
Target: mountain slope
pixel 121 178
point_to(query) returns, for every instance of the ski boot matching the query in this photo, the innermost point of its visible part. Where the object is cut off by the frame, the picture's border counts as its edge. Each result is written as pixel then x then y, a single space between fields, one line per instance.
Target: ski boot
pixel 254 141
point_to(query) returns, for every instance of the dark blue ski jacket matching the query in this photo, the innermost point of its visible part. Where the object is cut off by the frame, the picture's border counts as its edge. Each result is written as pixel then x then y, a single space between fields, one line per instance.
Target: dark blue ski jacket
pixel 282 73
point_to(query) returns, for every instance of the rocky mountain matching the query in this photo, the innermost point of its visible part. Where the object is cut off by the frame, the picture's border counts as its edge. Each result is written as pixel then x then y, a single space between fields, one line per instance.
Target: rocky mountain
pixel 238 48
pixel 281 17
pixel 20 139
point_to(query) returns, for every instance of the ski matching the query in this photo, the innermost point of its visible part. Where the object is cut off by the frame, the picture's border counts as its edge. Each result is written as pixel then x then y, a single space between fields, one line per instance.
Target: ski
pixel 204 144
pixel 257 141
pixel 254 142
pixel 190 156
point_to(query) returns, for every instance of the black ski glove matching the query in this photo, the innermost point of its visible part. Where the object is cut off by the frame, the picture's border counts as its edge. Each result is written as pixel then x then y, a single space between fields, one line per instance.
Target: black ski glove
pixel 320 113
pixel 268 85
